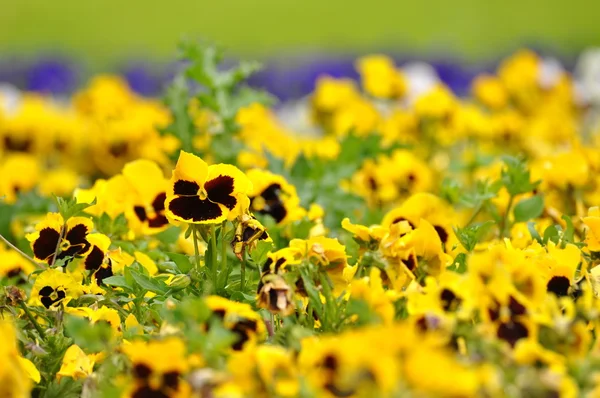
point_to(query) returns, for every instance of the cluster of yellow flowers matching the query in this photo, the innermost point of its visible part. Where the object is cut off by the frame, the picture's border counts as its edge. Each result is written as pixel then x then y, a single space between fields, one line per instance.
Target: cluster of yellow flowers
pixel 460 257
pixel 55 145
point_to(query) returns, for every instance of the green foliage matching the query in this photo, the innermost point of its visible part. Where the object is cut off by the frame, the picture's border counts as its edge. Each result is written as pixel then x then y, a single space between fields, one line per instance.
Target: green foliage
pixel 113 228
pixel 220 91
pixel 184 265
pixel 529 208
pixel 472 234
pixel 516 176
pixel 88 336
pixel 259 254
pixel 70 208
pixel 482 192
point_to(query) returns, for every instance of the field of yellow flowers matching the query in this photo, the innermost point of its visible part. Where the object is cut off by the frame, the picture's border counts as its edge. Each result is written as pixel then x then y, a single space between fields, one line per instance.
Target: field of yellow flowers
pixel 384 238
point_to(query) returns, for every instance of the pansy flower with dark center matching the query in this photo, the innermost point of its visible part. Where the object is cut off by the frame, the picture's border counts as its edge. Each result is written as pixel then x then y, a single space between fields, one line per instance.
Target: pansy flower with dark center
pixel 20 174
pixel 277 264
pixel 157 368
pixel 53 288
pixel 202 194
pixel 273 195
pixel 14 266
pixel 146 215
pixel 430 208
pixel 329 255
pixel 96 260
pixel 562 269
pixel 51 234
pixel 239 318
pixel 512 331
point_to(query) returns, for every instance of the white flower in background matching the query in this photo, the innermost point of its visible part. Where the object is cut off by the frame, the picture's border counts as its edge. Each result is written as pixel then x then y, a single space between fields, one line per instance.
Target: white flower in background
pixel 421 78
pixel 10 98
pixel 587 77
pixel 296 116
pixel 551 70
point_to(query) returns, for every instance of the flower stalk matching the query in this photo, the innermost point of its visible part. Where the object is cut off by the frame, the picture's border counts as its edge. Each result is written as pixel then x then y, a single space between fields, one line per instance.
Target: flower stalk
pixel 33 321
pixel 213 258
pixel 195 233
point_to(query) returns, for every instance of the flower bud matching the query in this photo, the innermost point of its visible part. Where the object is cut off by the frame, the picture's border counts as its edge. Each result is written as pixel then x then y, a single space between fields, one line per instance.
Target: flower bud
pixel 180 281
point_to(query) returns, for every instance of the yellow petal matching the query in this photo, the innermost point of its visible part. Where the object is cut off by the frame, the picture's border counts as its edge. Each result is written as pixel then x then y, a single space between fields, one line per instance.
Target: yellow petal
pixel 30 369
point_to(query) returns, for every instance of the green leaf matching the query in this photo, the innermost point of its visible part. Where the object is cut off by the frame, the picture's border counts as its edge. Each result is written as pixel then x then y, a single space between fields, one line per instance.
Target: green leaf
pixel 65 388
pixel 169 235
pixel 569 234
pixel 534 233
pixel 516 177
pixel 117 281
pixel 208 254
pixel 182 261
pixel 243 297
pixel 470 235
pixel 482 192
pixel 92 338
pixel 259 254
pixel 552 233
pixel 460 263
pixel 148 283
pixel 70 208
pixel 529 208
pixel 313 293
pixel 450 190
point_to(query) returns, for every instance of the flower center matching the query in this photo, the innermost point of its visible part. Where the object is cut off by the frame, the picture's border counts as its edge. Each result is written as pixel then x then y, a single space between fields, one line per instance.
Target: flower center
pixel 202 193
pixel 64 245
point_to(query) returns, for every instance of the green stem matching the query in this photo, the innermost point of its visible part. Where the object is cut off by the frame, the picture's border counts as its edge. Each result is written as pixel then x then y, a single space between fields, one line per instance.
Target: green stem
pixel 224 244
pixel 505 221
pixel 32 319
pixel 474 215
pixel 60 238
pixel 196 250
pixel 213 249
pixel 15 248
pixel 243 271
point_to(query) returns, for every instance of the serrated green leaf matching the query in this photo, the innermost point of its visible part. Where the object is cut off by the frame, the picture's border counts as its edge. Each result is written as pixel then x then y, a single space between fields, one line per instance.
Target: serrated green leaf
pixel 516 176
pixel 470 235
pixel 148 283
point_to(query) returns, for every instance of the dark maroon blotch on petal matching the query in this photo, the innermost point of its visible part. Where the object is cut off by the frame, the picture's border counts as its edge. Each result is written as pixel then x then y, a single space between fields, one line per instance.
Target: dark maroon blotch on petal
pixel 193 208
pixel 159 202
pixel 45 246
pixel 185 188
pixel 140 212
pixel 219 190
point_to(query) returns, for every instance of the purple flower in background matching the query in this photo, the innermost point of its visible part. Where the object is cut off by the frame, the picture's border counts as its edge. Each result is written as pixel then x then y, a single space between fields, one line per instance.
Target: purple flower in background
pixel 296 77
pixel 143 79
pixel 456 76
pixel 52 76
pixel 285 77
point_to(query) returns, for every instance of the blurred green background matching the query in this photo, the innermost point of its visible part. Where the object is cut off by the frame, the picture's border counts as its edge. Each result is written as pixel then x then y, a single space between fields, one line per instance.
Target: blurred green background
pixel 102 31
